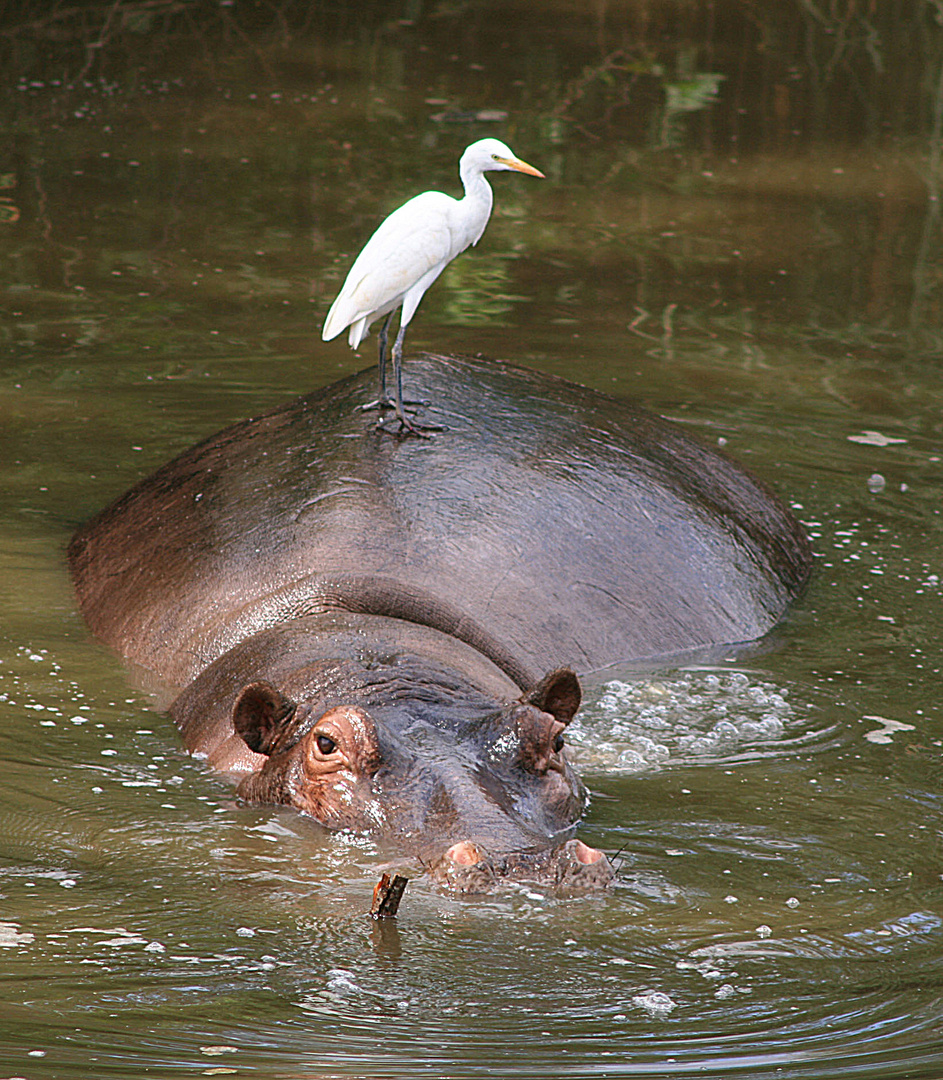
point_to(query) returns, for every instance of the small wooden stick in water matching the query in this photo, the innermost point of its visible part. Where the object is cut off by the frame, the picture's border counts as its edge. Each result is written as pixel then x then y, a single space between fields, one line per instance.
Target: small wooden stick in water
pixel 387 895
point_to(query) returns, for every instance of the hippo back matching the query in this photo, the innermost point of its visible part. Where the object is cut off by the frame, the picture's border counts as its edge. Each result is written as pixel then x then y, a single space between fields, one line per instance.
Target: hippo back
pixel 548 525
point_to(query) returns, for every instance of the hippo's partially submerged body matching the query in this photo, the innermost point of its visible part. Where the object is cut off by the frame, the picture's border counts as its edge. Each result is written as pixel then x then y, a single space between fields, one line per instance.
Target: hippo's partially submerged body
pixel 359 625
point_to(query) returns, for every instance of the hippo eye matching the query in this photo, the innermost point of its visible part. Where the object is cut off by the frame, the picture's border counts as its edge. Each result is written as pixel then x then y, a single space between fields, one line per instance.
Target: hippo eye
pixel 326 745
pixel 558 744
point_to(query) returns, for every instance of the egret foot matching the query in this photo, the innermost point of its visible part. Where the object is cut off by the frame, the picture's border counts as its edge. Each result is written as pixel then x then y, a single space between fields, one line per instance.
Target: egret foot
pixel 409 427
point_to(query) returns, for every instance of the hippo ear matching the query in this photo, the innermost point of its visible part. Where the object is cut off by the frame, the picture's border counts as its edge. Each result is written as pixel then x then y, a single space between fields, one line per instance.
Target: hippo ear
pixel 260 715
pixel 558 694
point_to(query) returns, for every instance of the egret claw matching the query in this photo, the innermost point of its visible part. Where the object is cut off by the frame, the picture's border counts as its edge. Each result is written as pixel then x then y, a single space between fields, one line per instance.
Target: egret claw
pixel 408 427
pixel 388 403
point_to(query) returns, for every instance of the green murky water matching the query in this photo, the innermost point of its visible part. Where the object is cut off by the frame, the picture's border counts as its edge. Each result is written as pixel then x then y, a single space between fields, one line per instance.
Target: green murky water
pixel 739 229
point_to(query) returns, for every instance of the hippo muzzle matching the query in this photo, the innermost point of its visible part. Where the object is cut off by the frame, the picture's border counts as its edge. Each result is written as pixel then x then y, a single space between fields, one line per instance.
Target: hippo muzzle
pixel 571 868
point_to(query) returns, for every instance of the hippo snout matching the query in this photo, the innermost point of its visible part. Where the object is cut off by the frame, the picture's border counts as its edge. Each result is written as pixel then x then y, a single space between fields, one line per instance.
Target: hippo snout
pixel 572 867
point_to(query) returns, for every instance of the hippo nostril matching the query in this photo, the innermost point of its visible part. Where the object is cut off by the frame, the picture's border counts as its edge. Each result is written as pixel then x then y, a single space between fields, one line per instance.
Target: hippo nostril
pixel 464 853
pixel 585 854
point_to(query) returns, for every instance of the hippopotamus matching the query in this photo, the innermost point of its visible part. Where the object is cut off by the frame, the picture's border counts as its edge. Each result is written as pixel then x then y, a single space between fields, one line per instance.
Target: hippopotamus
pixel 387 633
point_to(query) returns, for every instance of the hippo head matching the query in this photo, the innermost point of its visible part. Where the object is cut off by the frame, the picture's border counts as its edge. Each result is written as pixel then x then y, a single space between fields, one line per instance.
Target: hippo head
pixel 477 798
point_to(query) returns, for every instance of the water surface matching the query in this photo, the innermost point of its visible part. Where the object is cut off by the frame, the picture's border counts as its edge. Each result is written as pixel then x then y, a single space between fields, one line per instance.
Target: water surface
pixel 738 230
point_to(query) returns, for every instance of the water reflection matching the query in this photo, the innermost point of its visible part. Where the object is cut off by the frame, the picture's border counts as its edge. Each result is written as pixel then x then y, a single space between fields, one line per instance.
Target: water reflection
pixel 847 152
pixel 756 255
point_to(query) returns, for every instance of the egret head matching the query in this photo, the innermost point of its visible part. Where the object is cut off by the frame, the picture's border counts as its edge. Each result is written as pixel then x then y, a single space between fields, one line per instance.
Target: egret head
pixel 492 154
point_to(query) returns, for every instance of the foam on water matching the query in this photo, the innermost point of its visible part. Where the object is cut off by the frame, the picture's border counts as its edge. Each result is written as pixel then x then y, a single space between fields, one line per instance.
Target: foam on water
pixel 679 716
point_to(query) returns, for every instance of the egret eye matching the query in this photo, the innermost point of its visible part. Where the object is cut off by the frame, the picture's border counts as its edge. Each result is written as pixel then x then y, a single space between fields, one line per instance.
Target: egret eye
pixel 558 744
pixel 326 745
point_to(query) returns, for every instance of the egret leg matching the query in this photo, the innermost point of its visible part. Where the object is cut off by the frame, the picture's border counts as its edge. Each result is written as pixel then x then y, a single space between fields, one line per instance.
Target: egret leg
pixel 405 423
pixel 383 399
pixel 398 380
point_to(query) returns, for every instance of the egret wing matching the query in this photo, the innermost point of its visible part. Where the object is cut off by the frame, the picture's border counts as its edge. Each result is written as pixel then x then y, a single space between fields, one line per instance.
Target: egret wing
pixel 408 244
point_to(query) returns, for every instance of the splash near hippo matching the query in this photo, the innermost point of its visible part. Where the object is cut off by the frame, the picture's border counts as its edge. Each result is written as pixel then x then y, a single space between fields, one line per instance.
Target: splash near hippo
pixel 386 633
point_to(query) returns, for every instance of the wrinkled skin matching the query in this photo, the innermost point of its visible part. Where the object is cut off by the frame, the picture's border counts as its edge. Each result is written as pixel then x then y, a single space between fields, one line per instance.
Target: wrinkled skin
pixel 361 727
pixel 358 625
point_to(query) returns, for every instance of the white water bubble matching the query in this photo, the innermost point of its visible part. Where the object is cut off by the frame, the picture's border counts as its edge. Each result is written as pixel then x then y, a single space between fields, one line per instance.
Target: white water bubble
pixel 655 1002
pixel 637 725
pixel 340 981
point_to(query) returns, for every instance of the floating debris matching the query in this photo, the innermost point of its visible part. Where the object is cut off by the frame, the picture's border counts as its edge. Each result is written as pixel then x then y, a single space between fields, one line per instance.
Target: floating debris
pixel 885 733
pixel 874 438
pixel 10 935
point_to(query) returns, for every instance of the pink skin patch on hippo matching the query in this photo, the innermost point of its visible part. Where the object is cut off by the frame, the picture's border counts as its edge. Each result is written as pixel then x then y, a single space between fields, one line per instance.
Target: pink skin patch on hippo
pixel 585 854
pixel 465 853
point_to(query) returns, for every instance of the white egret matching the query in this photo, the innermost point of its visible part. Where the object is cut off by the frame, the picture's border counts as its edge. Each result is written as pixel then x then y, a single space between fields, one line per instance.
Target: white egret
pixel 408 252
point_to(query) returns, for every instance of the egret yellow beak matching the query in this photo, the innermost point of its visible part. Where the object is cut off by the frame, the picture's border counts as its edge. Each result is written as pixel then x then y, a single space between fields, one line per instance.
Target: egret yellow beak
pixel 521 166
